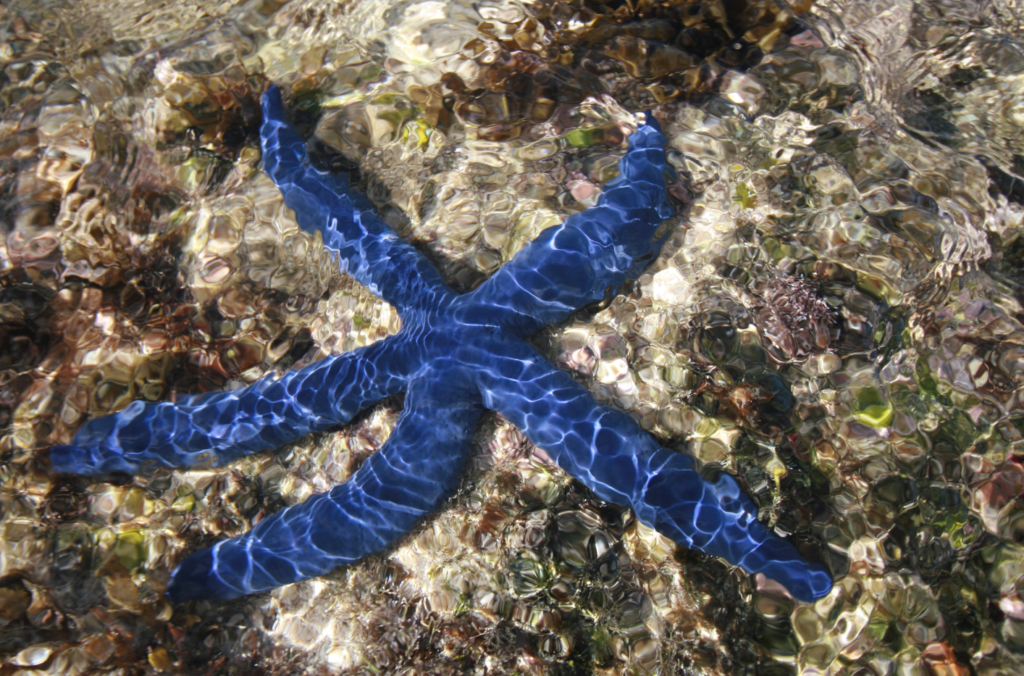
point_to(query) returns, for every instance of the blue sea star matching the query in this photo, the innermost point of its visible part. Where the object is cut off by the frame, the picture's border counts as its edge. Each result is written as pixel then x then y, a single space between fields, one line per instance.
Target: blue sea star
pixel 455 356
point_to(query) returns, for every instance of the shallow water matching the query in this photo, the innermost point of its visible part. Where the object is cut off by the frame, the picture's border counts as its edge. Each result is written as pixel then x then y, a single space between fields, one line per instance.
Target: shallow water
pixel 835 318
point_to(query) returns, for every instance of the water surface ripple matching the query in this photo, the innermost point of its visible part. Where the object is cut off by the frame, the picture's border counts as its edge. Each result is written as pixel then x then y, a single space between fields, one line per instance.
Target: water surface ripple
pixel 834 319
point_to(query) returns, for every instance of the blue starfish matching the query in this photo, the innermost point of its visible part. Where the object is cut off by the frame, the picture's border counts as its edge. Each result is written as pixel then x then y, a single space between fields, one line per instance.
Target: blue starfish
pixel 455 356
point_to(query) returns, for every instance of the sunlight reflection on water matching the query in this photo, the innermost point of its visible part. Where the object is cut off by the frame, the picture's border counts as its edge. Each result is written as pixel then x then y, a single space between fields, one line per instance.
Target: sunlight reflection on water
pixel 835 319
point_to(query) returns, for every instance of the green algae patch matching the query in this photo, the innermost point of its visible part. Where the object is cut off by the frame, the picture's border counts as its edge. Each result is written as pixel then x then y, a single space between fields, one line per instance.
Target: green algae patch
pixel 871 408
pixel 130 549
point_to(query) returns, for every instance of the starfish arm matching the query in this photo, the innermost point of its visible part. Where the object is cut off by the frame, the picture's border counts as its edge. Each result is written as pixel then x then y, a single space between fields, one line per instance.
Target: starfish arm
pixel 611 454
pixel 219 427
pixel 418 467
pixel 370 251
pixel 573 264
